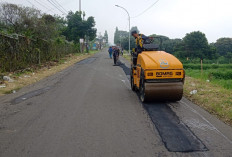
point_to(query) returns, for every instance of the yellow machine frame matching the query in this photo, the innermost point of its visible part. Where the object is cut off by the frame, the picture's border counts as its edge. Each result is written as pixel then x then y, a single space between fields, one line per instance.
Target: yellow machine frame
pixel 162 76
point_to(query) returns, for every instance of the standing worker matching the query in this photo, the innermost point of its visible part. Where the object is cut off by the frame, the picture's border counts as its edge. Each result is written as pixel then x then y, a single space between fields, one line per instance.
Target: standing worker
pixel 110 52
pixel 140 39
pixel 115 55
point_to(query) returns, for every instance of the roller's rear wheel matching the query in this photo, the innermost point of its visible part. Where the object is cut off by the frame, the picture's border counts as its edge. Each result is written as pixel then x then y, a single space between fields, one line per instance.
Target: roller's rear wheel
pixel 132 81
pixel 142 94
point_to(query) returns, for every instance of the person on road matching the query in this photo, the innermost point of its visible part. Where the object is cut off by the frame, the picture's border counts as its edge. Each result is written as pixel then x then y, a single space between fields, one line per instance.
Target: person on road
pixel 139 39
pixel 110 52
pixel 122 51
pixel 115 55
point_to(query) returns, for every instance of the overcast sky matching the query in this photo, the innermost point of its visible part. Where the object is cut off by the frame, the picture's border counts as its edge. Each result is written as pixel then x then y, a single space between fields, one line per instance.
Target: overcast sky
pixel 172 18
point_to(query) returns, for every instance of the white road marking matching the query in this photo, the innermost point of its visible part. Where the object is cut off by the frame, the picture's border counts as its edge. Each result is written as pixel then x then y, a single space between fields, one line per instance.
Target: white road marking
pixel 194 111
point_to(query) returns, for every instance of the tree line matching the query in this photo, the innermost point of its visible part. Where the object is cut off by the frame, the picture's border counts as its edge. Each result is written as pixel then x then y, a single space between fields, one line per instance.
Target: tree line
pixel 192 48
pixel 29 37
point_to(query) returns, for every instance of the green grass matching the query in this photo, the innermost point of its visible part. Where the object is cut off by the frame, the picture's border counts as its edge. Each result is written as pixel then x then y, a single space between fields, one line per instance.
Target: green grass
pixel 208 66
pixel 217 74
pixel 210 95
pixel 127 57
pixel 93 51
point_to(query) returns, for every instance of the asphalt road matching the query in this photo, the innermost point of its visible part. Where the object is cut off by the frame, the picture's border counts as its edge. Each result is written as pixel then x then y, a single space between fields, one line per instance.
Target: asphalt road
pixel 89 110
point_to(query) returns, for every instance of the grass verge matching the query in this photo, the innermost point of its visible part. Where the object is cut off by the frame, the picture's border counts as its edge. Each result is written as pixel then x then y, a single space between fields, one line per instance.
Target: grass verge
pixel 222 77
pixel 127 57
pixel 210 96
pixel 32 75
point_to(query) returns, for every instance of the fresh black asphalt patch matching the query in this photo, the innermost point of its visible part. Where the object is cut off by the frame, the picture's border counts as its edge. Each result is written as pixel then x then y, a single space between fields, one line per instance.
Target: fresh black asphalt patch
pixel 86 61
pixel 176 136
pixel 29 95
pixel 125 68
pixel 43 90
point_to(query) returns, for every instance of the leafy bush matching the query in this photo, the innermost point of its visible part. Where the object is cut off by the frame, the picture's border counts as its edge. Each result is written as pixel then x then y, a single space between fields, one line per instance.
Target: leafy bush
pixel 225 75
pixel 23 52
pixel 208 66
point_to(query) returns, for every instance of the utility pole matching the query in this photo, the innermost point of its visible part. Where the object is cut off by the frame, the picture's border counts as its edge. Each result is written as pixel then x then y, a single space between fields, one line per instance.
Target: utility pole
pixel 129 23
pixel 79 5
pixel 81 40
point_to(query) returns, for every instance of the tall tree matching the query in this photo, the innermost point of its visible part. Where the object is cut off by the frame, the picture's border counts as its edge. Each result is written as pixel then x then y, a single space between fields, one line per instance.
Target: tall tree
pixel 106 36
pixel 79 28
pixel 116 36
pixel 229 57
pixel 196 44
pixel 223 45
pixel 28 21
pixel 89 29
pixel 170 45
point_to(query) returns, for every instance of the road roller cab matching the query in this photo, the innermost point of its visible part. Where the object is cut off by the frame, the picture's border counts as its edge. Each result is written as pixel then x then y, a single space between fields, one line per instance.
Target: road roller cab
pixel 158 76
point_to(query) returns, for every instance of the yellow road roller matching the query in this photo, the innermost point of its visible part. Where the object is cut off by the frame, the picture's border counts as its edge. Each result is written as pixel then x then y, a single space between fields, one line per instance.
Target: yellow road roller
pixel 157 75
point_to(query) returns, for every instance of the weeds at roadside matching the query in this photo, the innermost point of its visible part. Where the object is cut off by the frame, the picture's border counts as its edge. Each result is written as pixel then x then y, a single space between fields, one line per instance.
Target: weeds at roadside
pixel 12 90
pixel 212 97
pixel 37 73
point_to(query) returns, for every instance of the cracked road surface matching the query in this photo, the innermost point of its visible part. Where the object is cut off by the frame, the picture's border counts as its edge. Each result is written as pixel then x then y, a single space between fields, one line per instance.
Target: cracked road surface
pixel 89 110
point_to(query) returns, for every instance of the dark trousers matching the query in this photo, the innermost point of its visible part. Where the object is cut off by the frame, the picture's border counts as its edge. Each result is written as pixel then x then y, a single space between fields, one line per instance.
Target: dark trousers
pixel 115 59
pixel 135 61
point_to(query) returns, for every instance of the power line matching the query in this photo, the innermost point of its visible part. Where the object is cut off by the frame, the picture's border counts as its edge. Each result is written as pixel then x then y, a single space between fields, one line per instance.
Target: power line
pixel 60 5
pixel 33 5
pixel 146 9
pixel 36 7
pixel 43 5
pixel 52 3
pixel 57 6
